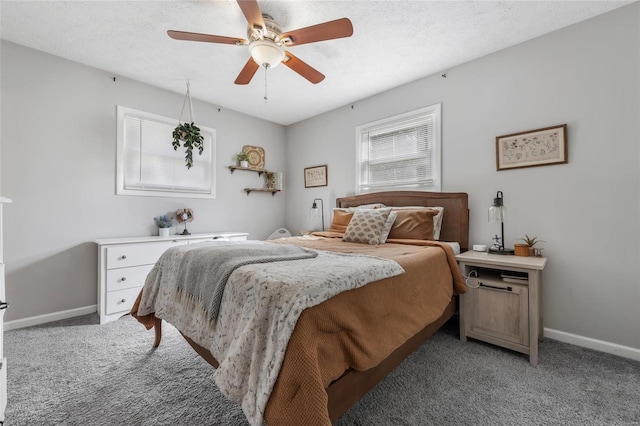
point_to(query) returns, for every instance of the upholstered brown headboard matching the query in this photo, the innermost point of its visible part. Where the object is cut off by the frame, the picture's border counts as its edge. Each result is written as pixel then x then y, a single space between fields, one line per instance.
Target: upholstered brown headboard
pixel 455 221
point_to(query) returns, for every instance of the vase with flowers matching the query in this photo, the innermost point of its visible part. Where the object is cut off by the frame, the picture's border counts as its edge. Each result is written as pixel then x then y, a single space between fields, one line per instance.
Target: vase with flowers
pixel 164 223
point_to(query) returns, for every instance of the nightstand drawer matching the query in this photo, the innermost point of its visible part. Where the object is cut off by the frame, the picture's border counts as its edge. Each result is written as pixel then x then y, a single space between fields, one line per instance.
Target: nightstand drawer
pixel 122 278
pixel 498 310
pixel 121 300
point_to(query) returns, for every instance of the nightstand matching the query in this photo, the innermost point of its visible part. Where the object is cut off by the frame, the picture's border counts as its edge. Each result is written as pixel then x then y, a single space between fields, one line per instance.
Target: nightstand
pixel 503 302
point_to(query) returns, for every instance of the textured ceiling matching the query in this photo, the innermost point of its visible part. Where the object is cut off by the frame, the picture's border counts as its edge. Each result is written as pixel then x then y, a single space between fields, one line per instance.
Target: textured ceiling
pixel 394 42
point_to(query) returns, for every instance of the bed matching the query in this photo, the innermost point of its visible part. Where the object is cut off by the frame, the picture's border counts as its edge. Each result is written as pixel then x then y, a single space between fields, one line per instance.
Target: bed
pixel 342 347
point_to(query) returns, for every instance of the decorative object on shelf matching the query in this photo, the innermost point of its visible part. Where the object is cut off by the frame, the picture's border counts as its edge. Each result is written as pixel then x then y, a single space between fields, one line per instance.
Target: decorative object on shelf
pixel 539 147
pixel 529 243
pixel 255 156
pixel 269 180
pixel 314 210
pixel 315 176
pixel 164 222
pixel 279 180
pixel 184 216
pixel 242 159
pixel 498 213
pixel 188 133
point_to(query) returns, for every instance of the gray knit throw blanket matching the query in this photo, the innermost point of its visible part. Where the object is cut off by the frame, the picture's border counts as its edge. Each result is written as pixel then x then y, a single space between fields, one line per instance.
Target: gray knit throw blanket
pixel 206 267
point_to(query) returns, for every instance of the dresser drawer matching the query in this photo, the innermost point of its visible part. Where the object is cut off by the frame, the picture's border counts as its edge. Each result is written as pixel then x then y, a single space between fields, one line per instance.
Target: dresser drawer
pixel 121 278
pixel 121 300
pixel 127 255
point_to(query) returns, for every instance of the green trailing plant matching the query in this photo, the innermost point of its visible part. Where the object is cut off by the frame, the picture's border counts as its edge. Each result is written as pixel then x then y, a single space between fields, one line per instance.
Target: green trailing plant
pixel 531 241
pixel 189 135
pixel 243 156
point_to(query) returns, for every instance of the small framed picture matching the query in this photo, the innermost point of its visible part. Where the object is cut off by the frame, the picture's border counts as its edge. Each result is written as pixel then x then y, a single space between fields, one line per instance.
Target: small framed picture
pixel 315 176
pixel 538 147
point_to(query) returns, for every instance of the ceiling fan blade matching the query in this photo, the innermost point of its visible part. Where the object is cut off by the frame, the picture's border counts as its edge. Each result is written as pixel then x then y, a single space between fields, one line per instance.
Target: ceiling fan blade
pixel 325 31
pixel 247 73
pixel 209 38
pixel 251 11
pixel 302 68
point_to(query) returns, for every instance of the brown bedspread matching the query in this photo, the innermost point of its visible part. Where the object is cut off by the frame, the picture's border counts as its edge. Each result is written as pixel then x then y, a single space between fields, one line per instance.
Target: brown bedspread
pixel 358 328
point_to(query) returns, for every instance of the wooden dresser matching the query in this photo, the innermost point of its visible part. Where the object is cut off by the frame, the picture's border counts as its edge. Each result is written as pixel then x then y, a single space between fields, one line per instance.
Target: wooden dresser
pixel 123 265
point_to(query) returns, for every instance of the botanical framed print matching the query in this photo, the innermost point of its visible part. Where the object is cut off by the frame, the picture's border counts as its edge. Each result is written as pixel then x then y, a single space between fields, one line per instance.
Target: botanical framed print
pixel 539 147
pixel 315 176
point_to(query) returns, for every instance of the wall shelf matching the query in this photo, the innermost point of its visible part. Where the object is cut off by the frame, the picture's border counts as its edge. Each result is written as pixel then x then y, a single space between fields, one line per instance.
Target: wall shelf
pixel 272 191
pixel 249 169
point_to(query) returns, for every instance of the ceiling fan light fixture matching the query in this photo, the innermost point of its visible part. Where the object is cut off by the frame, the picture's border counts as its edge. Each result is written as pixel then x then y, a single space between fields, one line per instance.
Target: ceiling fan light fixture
pixel 266 53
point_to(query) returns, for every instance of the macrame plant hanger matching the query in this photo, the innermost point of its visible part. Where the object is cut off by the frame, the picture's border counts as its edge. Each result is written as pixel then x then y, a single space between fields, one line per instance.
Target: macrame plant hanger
pixel 187 98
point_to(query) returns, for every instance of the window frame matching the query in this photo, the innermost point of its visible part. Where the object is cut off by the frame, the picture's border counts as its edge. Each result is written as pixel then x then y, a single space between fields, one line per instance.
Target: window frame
pixel 122 114
pixel 436 161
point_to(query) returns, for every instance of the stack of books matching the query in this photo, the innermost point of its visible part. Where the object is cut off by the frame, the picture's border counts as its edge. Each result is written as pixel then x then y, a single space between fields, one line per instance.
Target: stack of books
pixel 514 277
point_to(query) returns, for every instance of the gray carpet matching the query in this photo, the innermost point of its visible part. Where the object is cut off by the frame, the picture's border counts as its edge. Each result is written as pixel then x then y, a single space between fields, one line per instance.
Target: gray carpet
pixel 76 372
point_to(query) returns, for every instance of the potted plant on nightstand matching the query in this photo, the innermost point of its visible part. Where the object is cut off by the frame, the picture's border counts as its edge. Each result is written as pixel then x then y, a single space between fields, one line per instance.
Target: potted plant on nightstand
pixel 242 159
pixel 526 248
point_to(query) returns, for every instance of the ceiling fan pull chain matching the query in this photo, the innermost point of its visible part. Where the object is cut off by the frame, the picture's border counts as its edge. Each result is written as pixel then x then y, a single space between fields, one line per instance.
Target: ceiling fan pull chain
pixel 265 84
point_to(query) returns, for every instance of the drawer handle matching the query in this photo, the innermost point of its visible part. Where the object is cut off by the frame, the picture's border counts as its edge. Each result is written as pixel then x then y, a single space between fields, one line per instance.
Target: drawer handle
pixel 495 287
pixel 123 279
pixel 123 257
pixel 123 300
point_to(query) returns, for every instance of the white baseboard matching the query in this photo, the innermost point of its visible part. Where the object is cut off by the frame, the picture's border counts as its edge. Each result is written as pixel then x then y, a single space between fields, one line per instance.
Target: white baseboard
pixel 55 316
pixel 598 345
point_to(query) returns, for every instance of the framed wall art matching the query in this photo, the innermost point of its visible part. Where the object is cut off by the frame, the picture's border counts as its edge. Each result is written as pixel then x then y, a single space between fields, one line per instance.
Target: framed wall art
pixel 315 176
pixel 540 147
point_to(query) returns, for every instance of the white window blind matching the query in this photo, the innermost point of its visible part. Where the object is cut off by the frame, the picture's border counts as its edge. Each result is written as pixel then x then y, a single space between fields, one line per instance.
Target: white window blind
pixel 148 164
pixel 400 152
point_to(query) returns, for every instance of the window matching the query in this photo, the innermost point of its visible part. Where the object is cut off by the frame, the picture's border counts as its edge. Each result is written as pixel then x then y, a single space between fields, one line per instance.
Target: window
pixel 400 152
pixel 147 164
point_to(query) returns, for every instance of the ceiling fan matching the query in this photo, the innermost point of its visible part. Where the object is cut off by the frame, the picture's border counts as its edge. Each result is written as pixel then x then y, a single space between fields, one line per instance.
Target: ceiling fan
pixel 267 42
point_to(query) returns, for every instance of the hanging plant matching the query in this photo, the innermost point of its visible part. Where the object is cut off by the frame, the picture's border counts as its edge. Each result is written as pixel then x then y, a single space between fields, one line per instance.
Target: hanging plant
pixel 188 134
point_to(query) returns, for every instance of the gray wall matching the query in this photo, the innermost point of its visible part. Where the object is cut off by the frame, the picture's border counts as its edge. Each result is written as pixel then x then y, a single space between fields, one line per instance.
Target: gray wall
pixel 587 211
pixel 58 166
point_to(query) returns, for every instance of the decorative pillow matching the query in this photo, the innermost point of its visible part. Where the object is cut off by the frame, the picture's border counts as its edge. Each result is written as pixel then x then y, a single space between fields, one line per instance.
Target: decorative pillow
pixel 366 226
pixel 437 219
pixel 387 226
pixel 341 219
pixel 413 224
